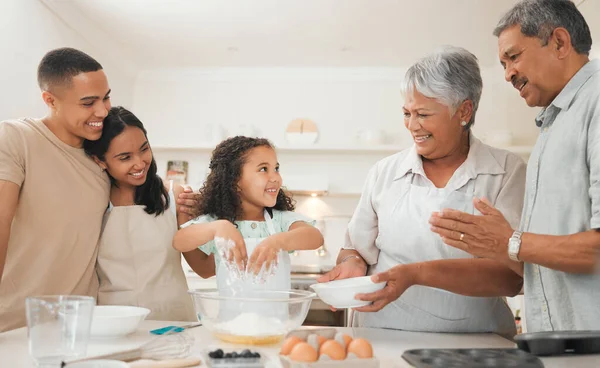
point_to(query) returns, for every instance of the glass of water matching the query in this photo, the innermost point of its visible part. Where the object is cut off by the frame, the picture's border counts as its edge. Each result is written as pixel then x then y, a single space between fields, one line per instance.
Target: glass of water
pixel 58 327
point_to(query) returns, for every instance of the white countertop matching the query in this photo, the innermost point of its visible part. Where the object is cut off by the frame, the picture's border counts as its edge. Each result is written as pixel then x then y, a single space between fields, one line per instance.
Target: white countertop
pixel 388 345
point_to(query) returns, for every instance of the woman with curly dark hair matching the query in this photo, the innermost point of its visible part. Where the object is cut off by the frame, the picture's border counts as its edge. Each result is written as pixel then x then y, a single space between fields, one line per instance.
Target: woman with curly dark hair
pixel 243 204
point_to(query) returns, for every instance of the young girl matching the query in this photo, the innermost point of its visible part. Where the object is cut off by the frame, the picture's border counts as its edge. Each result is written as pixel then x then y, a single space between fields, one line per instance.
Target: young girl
pixel 242 202
pixel 137 264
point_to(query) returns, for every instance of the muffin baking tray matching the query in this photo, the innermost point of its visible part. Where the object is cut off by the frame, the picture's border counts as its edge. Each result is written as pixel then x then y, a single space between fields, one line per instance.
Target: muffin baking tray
pixel 471 358
pixel 560 342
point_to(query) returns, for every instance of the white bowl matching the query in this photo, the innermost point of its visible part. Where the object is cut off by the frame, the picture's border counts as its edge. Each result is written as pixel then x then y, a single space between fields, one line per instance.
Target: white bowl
pixel 340 293
pixel 116 320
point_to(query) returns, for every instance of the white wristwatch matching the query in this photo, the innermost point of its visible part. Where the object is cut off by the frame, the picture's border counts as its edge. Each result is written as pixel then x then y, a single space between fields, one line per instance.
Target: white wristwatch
pixel 514 246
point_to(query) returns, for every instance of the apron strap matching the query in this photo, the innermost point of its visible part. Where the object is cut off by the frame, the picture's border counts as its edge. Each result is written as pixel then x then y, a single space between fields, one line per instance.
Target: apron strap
pixel 269 223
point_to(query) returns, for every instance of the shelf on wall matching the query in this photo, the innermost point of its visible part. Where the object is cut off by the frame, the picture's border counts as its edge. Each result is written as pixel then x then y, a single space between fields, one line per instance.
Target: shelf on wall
pixel 295 149
pixel 355 149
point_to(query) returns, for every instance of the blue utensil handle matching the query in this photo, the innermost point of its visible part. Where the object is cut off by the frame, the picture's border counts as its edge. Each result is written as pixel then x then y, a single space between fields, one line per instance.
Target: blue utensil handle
pixel 164 330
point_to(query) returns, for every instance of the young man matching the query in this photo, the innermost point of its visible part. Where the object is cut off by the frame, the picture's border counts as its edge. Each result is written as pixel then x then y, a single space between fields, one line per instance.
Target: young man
pixel 544 48
pixel 52 196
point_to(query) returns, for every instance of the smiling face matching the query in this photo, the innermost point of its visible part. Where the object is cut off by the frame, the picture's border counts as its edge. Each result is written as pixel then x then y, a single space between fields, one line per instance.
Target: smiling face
pixel 533 69
pixel 435 131
pixel 260 181
pixel 128 157
pixel 80 107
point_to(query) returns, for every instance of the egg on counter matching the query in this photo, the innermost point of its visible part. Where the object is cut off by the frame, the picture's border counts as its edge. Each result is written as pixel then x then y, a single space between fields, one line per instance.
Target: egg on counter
pixel 333 349
pixel 303 352
pixel 289 344
pixel 361 348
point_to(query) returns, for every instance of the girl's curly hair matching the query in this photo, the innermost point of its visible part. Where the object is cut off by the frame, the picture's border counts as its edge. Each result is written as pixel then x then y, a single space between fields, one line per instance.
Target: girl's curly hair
pixel 219 195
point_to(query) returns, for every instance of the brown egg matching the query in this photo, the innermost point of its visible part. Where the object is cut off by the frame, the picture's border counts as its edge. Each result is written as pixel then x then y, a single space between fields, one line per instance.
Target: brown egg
pixel 333 350
pixel 289 344
pixel 303 352
pixel 361 348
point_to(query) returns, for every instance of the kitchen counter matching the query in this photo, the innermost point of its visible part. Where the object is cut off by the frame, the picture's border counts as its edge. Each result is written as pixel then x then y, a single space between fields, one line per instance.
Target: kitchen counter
pixel 388 345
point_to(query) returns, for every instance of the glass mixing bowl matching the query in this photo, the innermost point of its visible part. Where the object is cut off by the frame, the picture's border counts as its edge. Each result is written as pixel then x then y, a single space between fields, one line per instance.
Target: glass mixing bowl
pixel 253 318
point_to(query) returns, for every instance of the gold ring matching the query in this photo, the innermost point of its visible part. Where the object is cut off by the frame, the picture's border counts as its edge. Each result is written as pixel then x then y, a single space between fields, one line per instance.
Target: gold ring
pixel 462 235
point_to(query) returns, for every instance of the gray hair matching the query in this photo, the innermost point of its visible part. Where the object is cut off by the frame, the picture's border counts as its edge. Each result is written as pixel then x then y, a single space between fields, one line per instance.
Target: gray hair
pixel 450 75
pixel 539 18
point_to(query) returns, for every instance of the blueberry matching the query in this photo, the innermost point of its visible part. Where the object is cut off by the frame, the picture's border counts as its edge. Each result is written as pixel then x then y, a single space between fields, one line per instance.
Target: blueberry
pixel 245 352
pixel 256 355
pixel 228 356
pixel 218 353
pixel 235 355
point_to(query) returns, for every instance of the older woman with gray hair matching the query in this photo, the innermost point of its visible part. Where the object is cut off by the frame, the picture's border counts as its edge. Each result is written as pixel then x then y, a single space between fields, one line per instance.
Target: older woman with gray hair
pixel 431 286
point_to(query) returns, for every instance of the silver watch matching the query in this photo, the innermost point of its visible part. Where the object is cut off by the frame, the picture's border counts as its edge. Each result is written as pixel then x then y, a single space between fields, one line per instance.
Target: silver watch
pixel 514 246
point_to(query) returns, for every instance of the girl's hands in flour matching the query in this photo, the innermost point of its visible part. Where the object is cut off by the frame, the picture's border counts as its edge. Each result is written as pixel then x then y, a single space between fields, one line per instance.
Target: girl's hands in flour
pixel 264 257
pixel 230 244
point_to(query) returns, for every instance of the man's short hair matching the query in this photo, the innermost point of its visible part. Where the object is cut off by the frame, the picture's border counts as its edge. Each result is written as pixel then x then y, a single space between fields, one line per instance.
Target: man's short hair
pixel 59 66
pixel 539 18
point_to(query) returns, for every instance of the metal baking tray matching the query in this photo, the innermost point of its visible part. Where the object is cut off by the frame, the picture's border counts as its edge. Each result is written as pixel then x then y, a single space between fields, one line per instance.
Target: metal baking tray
pixel 559 342
pixel 471 358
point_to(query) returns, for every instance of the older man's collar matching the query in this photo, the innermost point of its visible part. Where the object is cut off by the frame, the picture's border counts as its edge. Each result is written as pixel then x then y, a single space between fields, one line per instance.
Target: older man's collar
pixel 539 119
pixel 565 98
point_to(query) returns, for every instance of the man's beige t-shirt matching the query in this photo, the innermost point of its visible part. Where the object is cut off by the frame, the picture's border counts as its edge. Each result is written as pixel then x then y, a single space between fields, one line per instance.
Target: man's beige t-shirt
pixel 54 234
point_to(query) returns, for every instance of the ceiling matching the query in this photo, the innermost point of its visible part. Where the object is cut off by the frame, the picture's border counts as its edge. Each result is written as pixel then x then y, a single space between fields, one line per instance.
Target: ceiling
pixel 151 34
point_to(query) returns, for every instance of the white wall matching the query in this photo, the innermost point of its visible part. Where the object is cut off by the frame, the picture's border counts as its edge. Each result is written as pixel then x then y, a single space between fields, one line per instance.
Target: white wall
pixel 27 31
pixel 340 101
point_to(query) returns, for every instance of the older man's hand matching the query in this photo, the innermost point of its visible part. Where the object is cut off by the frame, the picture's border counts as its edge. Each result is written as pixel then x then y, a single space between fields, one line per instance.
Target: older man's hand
pixel 188 201
pixel 398 279
pixel 482 236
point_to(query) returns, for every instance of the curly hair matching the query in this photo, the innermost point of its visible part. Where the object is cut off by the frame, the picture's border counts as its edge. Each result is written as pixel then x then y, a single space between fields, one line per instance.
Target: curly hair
pixel 219 195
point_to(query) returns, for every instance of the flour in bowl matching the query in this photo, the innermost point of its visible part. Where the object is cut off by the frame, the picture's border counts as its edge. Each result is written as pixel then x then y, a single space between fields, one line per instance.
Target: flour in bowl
pixel 252 324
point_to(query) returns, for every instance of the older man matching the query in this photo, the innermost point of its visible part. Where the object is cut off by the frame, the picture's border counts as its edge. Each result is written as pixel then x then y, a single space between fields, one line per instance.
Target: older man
pixel 544 48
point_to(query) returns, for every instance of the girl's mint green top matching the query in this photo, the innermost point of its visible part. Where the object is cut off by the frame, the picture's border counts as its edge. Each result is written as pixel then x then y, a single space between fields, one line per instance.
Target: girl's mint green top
pixel 282 220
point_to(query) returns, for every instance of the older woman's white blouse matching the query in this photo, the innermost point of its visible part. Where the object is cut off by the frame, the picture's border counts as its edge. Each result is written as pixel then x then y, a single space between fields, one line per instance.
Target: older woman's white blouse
pixel 498 175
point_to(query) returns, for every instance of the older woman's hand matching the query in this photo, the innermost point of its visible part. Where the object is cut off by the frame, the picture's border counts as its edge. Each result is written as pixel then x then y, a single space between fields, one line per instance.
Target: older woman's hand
pixel 345 270
pixel 482 236
pixel 398 278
